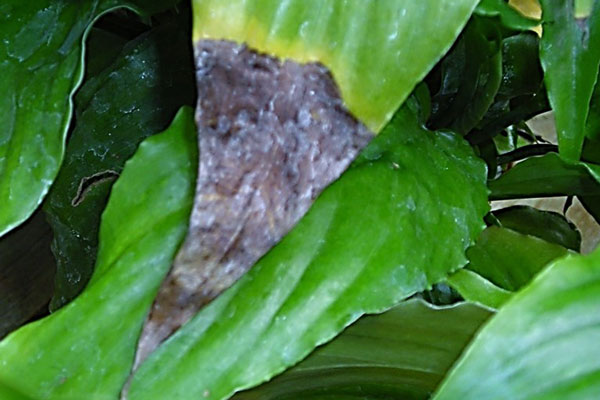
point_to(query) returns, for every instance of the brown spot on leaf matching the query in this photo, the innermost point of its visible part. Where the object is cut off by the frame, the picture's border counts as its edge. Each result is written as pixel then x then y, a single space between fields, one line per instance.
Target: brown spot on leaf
pixel 272 136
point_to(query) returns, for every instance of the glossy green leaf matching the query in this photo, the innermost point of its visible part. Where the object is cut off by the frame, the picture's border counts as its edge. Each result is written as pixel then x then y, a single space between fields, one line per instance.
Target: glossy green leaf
pixel 401 354
pixel 377 50
pixel 85 350
pixel 510 259
pixel 547 175
pixel 549 226
pixel 392 225
pixel 521 70
pixel 135 96
pixel 28 269
pixel 40 64
pixel 475 288
pixel 570 56
pixel 471 76
pixel 543 344
pixel 510 17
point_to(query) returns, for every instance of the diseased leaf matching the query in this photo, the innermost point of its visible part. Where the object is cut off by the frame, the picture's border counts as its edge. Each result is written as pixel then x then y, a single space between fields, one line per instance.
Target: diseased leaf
pixel 544 176
pixel 40 64
pixel 401 354
pixel 358 250
pixel 376 50
pixel 28 268
pixel 86 349
pixel 510 16
pixel 570 56
pixel 543 344
pixel 549 226
pixel 274 133
pixel 135 96
pixel 477 289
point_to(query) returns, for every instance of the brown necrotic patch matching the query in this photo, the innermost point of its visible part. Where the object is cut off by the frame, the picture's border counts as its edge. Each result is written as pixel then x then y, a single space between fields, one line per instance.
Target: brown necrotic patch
pixel 272 136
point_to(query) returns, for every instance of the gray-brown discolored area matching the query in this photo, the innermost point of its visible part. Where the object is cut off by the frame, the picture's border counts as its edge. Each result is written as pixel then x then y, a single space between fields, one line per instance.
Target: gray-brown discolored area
pixel 272 136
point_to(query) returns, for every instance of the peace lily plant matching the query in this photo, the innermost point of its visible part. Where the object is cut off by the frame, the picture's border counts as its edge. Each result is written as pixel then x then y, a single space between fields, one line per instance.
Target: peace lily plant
pixel 268 199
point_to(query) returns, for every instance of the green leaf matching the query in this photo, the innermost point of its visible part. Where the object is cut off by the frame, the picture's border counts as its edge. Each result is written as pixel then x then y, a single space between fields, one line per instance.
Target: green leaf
pixel 471 77
pixel 108 128
pixel 401 354
pixel 28 268
pixel 544 176
pixel 365 44
pixel 570 57
pixel 549 226
pixel 392 225
pixel 40 64
pixel 543 344
pixel 510 17
pixel 86 349
pixel 475 288
pixel 521 70
pixel 510 259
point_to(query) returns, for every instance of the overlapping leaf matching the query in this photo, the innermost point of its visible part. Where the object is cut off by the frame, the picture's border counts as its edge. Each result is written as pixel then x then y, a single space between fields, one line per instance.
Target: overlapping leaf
pixel 547 175
pixel 543 344
pixel 133 97
pixel 377 50
pixel 40 64
pixel 392 225
pixel 85 350
pixel 500 263
pixel 570 56
pixel 401 354
pixel 510 17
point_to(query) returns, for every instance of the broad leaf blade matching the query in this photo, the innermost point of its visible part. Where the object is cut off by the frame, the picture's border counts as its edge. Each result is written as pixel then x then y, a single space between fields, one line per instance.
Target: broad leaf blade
pixel 383 356
pixel 395 223
pixel 510 259
pixel 544 176
pixel 543 344
pixel 86 349
pixel 570 56
pixel 135 96
pixel 377 50
pixel 549 226
pixel 40 64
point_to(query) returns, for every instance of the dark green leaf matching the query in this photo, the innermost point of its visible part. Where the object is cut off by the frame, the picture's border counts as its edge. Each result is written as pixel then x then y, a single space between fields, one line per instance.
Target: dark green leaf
pixel 40 65
pixel 134 97
pixel 544 176
pixel 471 76
pixel 570 56
pixel 85 350
pixel 401 354
pixel 392 225
pixel 521 70
pixel 549 226
pixel 28 268
pixel 543 344
pixel 509 259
